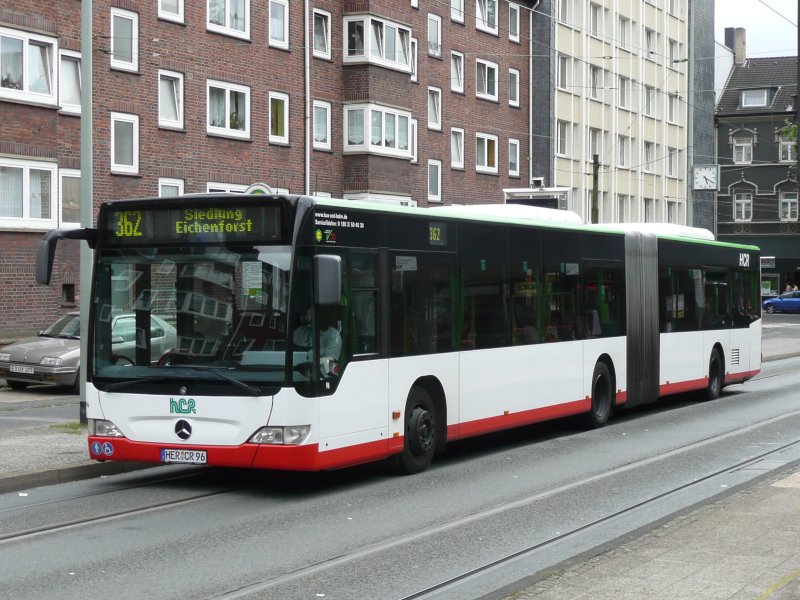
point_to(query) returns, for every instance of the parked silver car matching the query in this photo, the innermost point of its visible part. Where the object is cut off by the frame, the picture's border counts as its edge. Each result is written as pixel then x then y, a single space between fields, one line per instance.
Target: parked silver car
pixel 53 357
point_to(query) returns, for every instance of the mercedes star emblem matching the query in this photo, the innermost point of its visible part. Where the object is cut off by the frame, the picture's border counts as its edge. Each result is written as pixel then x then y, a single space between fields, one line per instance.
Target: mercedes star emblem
pixel 183 429
pixel 183 390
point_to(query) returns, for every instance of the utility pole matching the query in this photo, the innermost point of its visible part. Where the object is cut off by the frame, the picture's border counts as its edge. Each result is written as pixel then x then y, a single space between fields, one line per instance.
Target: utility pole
pixel 595 170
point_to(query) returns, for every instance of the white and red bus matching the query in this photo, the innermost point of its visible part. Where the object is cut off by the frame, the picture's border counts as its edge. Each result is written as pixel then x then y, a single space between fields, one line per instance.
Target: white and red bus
pixel 312 333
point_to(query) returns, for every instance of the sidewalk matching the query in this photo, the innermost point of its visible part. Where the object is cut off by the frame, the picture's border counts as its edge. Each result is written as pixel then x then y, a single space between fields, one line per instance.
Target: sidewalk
pixel 745 546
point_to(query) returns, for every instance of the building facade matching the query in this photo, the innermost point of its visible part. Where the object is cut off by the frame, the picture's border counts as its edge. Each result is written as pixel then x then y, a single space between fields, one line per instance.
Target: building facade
pixel 408 102
pixel 757 201
pixel 620 74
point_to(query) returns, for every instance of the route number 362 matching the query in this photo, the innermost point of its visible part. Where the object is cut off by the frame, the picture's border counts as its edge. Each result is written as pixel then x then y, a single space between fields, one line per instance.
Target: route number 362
pixel 128 223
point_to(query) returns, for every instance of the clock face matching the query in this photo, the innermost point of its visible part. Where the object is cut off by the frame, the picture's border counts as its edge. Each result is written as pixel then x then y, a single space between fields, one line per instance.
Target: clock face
pixel 705 178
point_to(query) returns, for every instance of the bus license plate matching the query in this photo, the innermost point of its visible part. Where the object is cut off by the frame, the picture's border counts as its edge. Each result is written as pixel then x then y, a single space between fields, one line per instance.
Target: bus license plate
pixel 174 455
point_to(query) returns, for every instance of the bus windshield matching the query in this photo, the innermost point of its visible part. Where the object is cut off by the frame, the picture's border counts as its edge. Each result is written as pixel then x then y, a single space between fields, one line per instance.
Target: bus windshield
pixel 215 313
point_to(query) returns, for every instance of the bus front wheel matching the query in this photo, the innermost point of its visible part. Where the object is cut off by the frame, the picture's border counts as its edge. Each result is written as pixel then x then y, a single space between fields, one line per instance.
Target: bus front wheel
pixel 602 396
pixel 420 433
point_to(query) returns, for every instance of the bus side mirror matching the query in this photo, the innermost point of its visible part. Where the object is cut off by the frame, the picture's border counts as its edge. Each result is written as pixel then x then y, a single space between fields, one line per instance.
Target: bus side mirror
pixel 46 251
pixel 327 279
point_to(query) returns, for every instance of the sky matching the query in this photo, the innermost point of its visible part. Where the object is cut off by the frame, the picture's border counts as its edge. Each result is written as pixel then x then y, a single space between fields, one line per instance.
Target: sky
pixel 768 34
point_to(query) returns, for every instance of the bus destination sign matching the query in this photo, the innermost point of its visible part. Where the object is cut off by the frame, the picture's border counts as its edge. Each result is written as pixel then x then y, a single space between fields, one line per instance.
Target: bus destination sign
pixel 192 224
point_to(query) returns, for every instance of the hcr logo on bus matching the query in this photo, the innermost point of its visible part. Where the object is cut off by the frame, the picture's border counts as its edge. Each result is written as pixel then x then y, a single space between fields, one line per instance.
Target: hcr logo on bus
pixel 182 406
pixel 744 260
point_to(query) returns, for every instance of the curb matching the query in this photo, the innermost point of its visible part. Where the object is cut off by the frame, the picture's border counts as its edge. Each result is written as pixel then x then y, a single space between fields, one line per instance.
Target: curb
pixel 67 473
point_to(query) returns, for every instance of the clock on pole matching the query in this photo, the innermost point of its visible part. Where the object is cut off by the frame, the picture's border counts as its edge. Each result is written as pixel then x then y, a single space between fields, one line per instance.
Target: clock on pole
pixel 705 177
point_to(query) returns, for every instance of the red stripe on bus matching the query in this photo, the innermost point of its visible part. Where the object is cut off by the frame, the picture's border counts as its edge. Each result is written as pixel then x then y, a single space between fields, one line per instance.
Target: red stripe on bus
pixel 739 377
pixel 525 417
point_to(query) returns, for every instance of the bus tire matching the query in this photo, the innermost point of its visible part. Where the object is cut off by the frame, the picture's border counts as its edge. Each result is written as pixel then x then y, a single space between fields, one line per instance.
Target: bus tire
pixel 420 433
pixel 715 375
pixel 602 396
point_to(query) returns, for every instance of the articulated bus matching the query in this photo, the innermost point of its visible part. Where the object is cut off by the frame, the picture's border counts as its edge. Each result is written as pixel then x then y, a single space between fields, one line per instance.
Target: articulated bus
pixel 312 333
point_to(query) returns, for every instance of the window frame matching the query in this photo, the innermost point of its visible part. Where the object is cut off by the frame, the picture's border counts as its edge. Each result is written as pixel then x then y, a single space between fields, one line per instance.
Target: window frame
pixel 67 174
pixel 25 94
pixel 367 146
pixel 226 29
pixel 790 201
pixel 745 145
pixel 454 85
pixel 513 87
pixel 514 22
pixel 281 140
pixel 745 103
pixel 457 11
pixel 623 151
pixel 563 138
pixel 672 162
pixel 121 65
pixel 787 149
pixel 273 42
pixel 26 221
pixel 167 123
pixel 327 107
pixel 326 52
pixel 75 57
pixel 742 203
pixel 596 87
pixel 623 92
pixel 435 197
pixel 436 123
pixel 564 67
pixel 487 65
pixel 435 46
pixel 513 143
pixel 457 142
pixel 648 149
pixel 227 131
pixel 164 15
pixel 214 187
pixel 595 20
pixel 482 7
pixel 120 168
pixel 367 55
pixel 481 162
pixel 170 182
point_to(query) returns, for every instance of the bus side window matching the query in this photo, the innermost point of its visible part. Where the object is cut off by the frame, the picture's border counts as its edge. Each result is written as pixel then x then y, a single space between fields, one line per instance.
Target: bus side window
pixel 364 304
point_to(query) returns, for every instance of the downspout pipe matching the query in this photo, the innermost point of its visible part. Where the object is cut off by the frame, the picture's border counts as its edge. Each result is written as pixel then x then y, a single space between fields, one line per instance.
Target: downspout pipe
pixel 530 91
pixel 309 37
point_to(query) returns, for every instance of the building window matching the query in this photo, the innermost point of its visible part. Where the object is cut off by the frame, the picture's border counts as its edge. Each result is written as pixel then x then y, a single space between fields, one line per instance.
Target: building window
pixel 229 17
pixel 595 82
pixel 171 10
pixel 650 43
pixel 228 109
pixel 124 40
pixel 513 158
pixel 124 143
pixel 70 194
pixel 322 34
pixel 279 23
pixel 388 43
pixel 170 99
pixel 788 206
pixel 788 150
pixel 563 10
pixel 649 101
pixel 457 148
pixel 563 138
pixel 486 87
pixel 742 206
pixel 322 125
pixel 513 22
pixel 169 187
pixel 434 35
pixel 457 10
pixel 672 211
pixel 623 32
pixel 674 53
pixel 457 72
pixel 485 153
pixel 649 210
pixel 69 82
pixel 623 93
pixel 378 130
pixel 753 98
pixel 672 108
pixel 486 15
pixel 742 151
pixel 412 123
pixel 221 188
pixel 595 143
pixel 672 159
pixel 414 59
pixel 278 118
pixel 649 157
pixel 27 70
pixel 563 75
pixel 595 20
pixel 435 180
pixel 622 150
pixel 622 202
pixel 434 108
pixel 513 87
pixel 27 190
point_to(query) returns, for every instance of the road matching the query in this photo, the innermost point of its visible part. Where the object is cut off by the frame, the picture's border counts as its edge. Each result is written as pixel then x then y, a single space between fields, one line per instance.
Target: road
pixel 538 494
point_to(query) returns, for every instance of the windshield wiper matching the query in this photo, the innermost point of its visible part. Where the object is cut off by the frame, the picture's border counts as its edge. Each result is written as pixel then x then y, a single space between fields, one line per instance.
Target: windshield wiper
pixel 245 387
pixel 118 385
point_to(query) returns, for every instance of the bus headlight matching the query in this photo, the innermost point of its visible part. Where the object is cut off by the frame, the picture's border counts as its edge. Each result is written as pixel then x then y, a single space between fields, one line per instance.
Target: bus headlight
pixel 50 361
pixel 290 435
pixel 103 428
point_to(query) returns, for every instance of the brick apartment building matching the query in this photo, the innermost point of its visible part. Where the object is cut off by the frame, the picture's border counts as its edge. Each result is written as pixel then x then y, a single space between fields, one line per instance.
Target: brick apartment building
pixel 398 101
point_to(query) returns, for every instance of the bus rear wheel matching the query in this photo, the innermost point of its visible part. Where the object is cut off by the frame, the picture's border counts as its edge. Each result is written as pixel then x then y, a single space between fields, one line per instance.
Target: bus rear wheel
pixel 714 375
pixel 420 433
pixel 602 396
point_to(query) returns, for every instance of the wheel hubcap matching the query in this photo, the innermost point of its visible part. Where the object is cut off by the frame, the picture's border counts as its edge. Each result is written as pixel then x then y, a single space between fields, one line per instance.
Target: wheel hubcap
pixel 422 430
